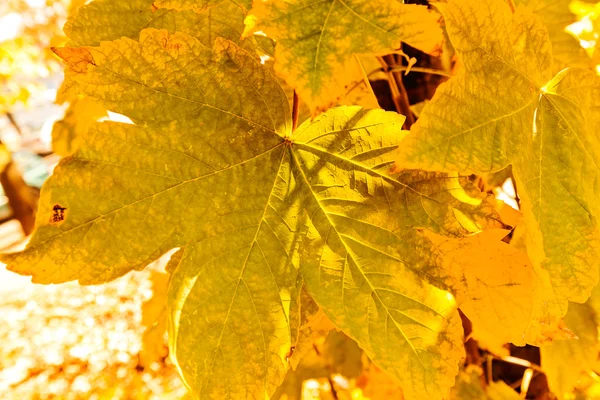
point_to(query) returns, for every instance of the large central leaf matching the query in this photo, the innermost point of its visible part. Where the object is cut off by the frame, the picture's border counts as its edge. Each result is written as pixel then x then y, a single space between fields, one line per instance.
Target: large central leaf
pixel 211 166
pixel 505 107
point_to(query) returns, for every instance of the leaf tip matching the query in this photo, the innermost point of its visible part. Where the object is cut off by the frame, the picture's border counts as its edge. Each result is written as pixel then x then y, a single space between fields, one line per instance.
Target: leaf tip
pixel 78 58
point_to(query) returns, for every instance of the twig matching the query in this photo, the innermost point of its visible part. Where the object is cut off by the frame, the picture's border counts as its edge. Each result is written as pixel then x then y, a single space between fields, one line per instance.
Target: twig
pixel 519 361
pixel 14 123
pixel 488 368
pixel 526 381
pixel 398 96
pixel 333 391
pixel 410 118
pixel 422 70
pixel 295 106
pixel 402 99
pixel 21 197
pixel 511 4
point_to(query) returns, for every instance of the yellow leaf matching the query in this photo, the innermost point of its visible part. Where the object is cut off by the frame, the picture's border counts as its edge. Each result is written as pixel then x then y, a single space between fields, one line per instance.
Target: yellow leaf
pixel 556 16
pixel 563 361
pixel 317 40
pixel 505 107
pixel 492 282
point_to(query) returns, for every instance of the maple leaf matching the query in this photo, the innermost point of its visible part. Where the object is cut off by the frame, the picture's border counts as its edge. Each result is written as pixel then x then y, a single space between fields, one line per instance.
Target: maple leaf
pixel 212 167
pixel 317 40
pixel 505 107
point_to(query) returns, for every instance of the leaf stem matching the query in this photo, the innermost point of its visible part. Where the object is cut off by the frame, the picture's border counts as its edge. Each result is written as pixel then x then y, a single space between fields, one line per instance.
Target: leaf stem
pixel 14 123
pixel 295 106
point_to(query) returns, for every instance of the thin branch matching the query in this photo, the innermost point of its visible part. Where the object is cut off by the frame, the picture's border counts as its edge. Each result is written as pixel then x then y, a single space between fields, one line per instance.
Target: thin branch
pixel 14 123
pixel 519 361
pixel 410 118
pixel 400 96
pixel 21 198
pixel 295 106
pixel 526 381
pixel 392 84
pixel 511 4
pixel 422 70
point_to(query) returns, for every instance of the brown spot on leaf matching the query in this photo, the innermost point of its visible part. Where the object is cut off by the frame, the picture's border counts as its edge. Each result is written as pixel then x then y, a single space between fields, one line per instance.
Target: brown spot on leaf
pixel 58 214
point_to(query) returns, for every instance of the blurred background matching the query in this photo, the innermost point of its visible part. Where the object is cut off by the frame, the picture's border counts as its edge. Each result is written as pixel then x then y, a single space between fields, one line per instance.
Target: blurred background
pixel 108 342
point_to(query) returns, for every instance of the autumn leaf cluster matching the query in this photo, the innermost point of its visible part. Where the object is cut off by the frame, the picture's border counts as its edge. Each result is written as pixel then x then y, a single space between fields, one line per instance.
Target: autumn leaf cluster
pixel 348 218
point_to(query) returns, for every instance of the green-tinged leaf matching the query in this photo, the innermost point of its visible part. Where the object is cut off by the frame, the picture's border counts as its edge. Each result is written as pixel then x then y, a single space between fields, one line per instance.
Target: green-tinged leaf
pixel 103 20
pixel 79 117
pixel 317 39
pixel 504 108
pixel 556 16
pixel 199 5
pixel 563 361
pixel 212 167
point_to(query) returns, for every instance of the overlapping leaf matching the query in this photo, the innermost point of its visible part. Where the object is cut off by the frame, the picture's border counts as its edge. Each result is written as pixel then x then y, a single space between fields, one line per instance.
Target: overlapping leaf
pixel 112 19
pixel 556 16
pixel 316 39
pixel 213 168
pixel 506 108
pixel 492 283
pixel 564 361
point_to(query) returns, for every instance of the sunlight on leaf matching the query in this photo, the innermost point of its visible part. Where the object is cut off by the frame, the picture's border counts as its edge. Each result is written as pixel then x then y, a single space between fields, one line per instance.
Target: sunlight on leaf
pixel 543 126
